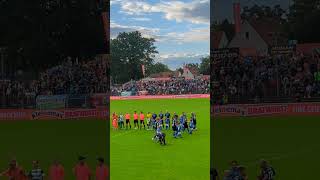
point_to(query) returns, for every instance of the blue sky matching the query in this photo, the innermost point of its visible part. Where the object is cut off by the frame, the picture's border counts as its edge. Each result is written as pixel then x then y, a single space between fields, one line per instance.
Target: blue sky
pixel 180 27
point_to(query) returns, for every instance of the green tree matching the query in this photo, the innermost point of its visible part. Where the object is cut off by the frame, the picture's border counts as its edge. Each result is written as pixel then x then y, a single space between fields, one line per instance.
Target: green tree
pixel 205 66
pixel 193 66
pixel 304 21
pixel 156 68
pixel 130 50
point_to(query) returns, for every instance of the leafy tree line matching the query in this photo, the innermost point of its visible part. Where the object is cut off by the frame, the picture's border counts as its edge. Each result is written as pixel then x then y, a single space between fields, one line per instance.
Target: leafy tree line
pixel 130 50
pixel 299 21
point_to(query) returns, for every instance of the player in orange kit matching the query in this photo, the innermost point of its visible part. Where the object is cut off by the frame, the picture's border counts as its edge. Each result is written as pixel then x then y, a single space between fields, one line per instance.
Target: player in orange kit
pixel 56 171
pixel 14 172
pixel 102 171
pixel 82 170
pixel 115 121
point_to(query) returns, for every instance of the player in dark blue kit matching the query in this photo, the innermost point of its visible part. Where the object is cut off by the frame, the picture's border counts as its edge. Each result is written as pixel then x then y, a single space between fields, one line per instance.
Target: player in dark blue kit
pixel 194 119
pixel 160 136
pixel 182 122
pixel 174 118
pixel 153 121
pixel 167 115
pixel 179 129
pixel 191 126
pixel 161 115
pixel 184 115
pixel 174 129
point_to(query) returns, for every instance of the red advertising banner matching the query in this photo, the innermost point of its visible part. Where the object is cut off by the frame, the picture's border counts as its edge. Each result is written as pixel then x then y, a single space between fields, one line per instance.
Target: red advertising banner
pixel 187 96
pixel 15 114
pixel 229 110
pixel 29 114
pixel 267 109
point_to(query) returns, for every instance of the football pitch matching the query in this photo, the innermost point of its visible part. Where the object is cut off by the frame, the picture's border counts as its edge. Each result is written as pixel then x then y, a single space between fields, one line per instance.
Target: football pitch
pixel 290 144
pixel 135 156
pixel 47 140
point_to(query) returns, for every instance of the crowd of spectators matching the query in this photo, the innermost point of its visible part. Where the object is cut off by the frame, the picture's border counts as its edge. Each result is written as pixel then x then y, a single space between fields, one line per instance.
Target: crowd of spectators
pixel 172 86
pixel 293 76
pixel 70 77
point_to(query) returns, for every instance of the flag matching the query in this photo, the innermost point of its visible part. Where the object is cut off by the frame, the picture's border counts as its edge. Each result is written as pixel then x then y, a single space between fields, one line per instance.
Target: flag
pixel 237 17
pixel 105 20
pixel 143 70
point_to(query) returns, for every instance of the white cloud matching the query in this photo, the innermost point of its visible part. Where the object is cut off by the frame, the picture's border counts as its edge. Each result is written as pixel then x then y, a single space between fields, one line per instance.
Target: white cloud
pixel 163 57
pixel 146 32
pixel 113 2
pixel 196 11
pixel 176 60
pixel 141 19
pixel 193 35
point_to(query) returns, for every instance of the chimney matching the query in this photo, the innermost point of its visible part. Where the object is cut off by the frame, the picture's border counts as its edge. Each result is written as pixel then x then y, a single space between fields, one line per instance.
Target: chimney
pixel 237 17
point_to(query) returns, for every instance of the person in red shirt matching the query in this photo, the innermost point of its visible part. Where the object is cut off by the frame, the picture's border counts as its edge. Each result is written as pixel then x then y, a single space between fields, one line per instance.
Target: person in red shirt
pixel 56 171
pixel 142 120
pixel 127 116
pixel 102 171
pixel 82 170
pixel 135 120
pixel 14 172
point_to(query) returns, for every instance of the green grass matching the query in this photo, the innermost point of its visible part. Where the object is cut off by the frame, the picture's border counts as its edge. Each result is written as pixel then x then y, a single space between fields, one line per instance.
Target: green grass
pixel 135 156
pixel 47 140
pixel 290 143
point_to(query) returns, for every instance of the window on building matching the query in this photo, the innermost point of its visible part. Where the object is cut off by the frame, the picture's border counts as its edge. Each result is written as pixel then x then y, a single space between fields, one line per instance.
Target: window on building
pixel 247 35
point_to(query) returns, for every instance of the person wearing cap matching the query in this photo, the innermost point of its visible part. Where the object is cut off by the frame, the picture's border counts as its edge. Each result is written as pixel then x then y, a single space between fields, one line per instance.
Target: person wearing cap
pixel 36 173
pixel 267 172
pixel 56 171
pixel 102 171
pixel 14 171
pixel 82 170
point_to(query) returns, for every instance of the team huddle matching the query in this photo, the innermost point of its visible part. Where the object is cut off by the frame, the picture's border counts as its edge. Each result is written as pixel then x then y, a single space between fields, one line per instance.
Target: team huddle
pixel 157 122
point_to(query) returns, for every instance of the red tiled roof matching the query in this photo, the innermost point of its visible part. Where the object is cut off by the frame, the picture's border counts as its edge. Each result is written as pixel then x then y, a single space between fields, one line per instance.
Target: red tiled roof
pixel 217 36
pixel 168 74
pixel 265 28
pixel 194 71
